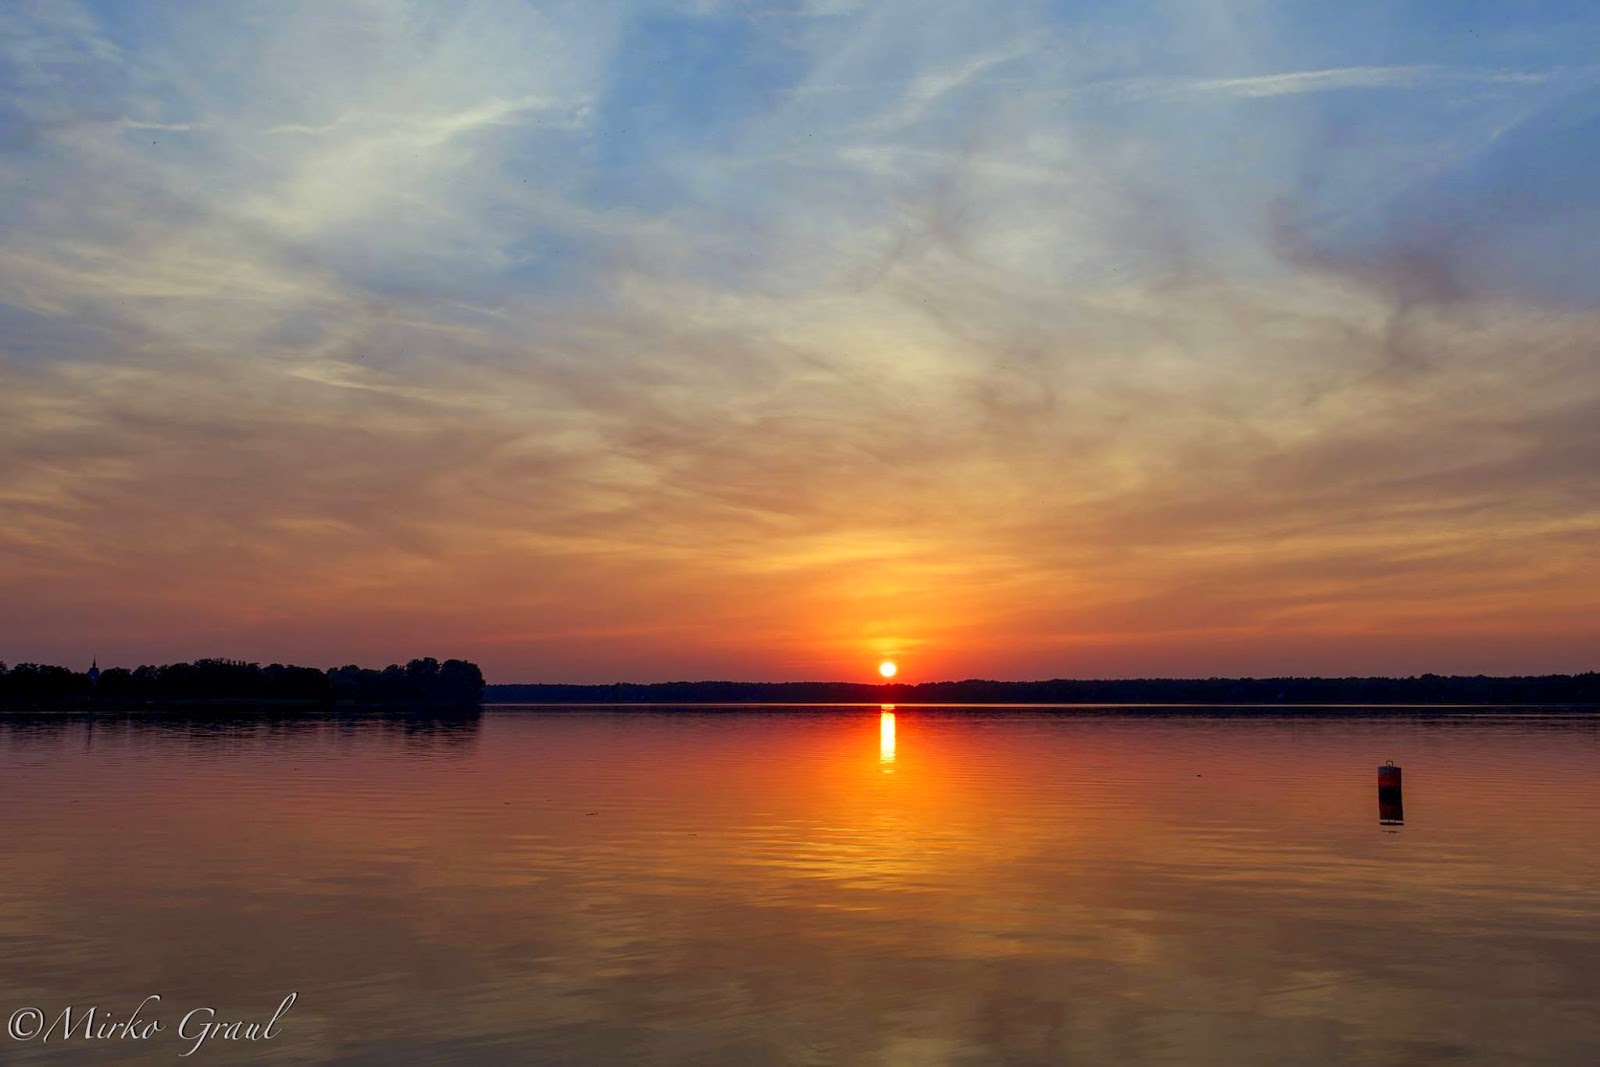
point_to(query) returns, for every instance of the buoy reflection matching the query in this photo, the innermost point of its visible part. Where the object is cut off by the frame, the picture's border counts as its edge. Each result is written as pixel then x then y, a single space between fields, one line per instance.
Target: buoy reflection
pixel 886 738
pixel 1391 801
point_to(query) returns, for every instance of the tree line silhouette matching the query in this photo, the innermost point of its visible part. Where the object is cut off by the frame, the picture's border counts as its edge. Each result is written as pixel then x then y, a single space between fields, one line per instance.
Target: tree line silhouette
pixel 1563 689
pixel 421 682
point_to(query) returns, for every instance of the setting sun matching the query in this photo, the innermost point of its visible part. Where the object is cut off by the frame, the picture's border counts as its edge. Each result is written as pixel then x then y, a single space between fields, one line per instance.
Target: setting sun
pixel 887 668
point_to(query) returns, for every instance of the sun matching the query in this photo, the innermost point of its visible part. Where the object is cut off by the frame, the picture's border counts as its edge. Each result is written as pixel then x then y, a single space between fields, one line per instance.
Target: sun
pixel 887 668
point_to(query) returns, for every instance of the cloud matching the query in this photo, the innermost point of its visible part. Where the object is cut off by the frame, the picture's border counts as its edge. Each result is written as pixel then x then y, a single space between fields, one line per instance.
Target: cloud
pixel 1321 81
pixel 924 91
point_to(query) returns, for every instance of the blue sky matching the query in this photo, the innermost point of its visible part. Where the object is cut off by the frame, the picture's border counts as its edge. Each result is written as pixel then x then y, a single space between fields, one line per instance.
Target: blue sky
pixel 1138 337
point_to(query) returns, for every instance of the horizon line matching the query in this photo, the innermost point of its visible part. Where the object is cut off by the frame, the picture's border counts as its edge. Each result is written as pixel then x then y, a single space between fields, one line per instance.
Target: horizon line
pixel 1079 681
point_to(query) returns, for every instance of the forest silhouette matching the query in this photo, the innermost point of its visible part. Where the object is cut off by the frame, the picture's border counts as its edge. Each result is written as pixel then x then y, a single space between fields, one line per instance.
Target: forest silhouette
pixel 420 682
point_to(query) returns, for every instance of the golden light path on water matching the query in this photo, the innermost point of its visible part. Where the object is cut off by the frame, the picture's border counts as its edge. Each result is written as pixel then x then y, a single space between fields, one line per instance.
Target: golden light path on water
pixel 886 738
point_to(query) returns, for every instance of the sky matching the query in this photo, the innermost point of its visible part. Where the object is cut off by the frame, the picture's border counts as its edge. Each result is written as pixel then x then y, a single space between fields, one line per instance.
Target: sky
pixel 763 340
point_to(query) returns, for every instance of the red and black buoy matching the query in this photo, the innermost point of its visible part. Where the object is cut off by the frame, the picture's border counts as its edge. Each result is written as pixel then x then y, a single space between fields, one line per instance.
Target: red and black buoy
pixel 1391 804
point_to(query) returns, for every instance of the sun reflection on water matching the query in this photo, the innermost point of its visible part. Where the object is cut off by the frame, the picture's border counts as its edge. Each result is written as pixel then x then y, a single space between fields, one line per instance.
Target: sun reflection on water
pixel 886 738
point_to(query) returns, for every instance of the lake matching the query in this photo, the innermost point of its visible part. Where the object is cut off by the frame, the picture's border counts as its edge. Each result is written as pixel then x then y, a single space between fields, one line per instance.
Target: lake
pixel 826 886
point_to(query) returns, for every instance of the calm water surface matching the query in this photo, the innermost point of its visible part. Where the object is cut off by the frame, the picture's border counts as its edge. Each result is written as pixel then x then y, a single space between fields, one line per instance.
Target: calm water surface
pixel 957 886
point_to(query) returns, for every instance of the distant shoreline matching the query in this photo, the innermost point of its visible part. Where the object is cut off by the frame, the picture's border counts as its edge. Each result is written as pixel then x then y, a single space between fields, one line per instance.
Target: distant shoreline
pixel 1426 690
pixel 904 705
pixel 217 712
pixel 219 687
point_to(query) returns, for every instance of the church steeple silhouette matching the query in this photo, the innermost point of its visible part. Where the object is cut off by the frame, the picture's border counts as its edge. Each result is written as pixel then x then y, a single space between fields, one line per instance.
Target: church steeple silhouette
pixel 94 671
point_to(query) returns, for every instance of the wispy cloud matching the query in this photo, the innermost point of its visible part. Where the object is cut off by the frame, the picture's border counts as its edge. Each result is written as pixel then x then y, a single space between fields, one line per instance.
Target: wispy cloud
pixel 1321 81
pixel 1304 82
